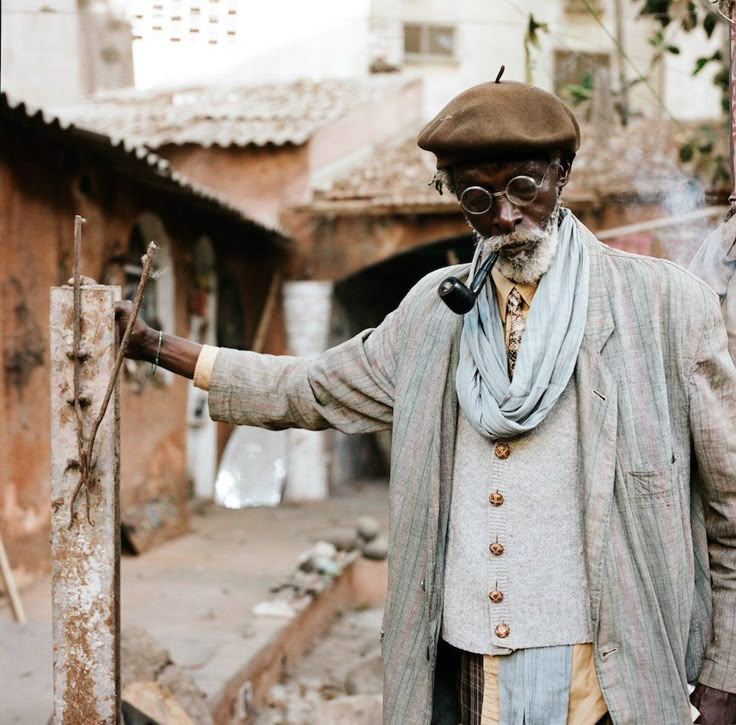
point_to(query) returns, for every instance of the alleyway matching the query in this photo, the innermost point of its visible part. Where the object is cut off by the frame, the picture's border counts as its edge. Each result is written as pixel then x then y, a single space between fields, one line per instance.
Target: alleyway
pixel 195 596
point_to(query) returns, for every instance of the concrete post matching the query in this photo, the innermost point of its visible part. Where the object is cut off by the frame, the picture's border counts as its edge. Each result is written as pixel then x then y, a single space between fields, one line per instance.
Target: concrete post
pixel 307 309
pixel 85 557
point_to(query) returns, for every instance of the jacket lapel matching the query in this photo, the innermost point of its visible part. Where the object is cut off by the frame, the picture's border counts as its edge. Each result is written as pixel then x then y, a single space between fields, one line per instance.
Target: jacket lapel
pixel 597 423
pixel 449 326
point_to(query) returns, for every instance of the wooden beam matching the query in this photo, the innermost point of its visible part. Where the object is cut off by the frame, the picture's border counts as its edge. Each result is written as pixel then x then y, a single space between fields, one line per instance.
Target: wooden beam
pixel 7 575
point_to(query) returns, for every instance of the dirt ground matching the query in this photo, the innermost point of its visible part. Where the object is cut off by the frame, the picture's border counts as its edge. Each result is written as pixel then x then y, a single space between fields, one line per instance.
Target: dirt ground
pixel 196 596
pixel 338 682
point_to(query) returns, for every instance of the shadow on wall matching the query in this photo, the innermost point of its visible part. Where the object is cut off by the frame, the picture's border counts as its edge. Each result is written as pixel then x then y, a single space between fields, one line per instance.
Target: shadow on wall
pixel 362 300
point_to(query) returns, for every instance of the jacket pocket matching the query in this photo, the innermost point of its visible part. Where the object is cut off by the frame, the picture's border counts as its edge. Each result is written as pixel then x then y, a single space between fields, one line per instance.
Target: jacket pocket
pixel 648 484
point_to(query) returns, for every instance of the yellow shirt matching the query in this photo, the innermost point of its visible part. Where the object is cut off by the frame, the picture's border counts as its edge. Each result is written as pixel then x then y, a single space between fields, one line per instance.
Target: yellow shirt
pixel 503 290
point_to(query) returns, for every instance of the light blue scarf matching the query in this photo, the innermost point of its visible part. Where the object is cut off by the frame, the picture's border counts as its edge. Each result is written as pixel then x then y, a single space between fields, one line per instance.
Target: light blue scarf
pixel 495 406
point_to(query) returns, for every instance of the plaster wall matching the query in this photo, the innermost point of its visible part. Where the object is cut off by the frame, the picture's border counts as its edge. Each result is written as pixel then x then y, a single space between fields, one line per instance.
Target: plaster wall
pixel 491 34
pixel 40 40
pixel 42 186
pixel 55 52
pixel 334 246
pixel 342 143
pixel 258 180
pixel 263 181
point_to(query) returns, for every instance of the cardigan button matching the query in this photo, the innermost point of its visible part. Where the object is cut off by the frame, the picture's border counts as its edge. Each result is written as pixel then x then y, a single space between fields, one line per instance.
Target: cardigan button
pixel 495 596
pixel 496 548
pixel 502 631
pixel 496 498
pixel 503 451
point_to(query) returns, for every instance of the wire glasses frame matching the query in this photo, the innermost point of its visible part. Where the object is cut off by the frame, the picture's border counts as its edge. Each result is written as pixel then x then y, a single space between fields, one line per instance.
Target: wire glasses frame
pixel 520 191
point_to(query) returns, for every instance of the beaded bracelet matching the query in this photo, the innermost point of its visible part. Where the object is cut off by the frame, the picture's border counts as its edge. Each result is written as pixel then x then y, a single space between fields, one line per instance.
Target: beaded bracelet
pixel 154 365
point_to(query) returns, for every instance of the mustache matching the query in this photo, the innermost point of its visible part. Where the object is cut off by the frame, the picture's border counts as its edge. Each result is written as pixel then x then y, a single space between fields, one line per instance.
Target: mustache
pixel 518 236
pixel 497 243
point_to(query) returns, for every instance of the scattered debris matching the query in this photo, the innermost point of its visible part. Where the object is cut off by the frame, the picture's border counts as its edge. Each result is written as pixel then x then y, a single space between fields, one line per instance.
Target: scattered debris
pixel 366 677
pixel 321 563
pixel 376 549
pixel 274 608
pixel 350 710
pixel 151 680
pixel 338 683
pixel 150 702
pixel 153 522
pixel 344 538
pixel 368 527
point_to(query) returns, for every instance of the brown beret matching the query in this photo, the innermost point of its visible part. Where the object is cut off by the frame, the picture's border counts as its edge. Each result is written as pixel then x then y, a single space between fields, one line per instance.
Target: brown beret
pixel 500 120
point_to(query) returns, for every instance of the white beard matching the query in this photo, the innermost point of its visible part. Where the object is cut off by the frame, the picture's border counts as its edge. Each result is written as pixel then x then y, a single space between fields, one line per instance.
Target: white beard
pixel 528 266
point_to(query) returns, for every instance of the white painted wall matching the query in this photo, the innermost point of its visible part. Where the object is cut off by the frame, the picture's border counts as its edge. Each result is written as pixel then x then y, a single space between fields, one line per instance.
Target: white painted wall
pixel 274 41
pixel 55 52
pixel 40 62
pixel 492 33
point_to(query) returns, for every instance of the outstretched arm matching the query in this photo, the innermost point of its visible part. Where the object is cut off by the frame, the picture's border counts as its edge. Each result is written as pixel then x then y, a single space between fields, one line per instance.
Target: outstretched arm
pixel 176 354
pixel 349 387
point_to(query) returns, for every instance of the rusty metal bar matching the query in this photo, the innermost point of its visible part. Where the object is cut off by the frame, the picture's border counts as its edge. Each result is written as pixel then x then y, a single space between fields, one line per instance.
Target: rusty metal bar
pixel 85 555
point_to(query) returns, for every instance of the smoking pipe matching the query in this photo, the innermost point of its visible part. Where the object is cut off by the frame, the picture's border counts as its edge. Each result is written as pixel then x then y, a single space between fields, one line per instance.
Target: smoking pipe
pixel 459 297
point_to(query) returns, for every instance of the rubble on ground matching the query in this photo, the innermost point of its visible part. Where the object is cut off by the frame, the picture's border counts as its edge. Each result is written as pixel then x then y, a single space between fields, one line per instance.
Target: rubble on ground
pixel 146 666
pixel 339 682
pixel 335 549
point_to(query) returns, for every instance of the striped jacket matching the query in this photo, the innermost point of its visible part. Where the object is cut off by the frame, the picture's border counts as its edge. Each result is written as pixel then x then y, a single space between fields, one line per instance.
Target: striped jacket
pixel 656 391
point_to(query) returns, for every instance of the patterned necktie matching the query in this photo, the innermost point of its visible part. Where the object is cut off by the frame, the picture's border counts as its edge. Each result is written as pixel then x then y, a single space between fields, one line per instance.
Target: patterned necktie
pixel 516 323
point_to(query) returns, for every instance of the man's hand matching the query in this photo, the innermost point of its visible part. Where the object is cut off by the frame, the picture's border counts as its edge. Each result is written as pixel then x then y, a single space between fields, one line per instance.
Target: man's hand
pixel 143 339
pixel 716 706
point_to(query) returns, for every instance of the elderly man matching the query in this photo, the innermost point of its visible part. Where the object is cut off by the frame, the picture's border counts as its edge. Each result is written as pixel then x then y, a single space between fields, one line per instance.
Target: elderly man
pixel 563 474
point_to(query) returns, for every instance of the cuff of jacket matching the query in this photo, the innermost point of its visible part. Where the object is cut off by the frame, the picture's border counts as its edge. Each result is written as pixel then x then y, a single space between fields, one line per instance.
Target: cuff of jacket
pixel 718 676
pixel 204 367
pixel 268 391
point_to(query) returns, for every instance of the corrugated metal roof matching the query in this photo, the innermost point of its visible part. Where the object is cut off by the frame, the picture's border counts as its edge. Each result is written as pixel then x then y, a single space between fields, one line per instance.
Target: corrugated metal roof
pixel 142 159
pixel 274 113
pixel 641 159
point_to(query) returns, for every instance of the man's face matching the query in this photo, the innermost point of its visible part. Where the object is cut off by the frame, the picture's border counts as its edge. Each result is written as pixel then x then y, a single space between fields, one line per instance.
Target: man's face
pixel 505 217
pixel 525 234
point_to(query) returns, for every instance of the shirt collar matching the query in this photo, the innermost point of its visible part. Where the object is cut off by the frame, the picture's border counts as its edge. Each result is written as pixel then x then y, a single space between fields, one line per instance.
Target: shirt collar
pixel 504 287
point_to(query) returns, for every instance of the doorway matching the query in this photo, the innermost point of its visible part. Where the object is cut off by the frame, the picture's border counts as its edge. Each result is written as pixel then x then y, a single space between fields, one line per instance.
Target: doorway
pixel 201 429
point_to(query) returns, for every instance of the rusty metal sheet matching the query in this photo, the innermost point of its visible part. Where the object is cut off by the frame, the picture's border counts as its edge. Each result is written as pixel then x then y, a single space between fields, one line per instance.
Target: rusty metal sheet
pixel 85 556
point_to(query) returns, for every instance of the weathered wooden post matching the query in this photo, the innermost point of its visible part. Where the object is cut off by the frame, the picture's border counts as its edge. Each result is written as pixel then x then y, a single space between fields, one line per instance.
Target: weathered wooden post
pixel 85 533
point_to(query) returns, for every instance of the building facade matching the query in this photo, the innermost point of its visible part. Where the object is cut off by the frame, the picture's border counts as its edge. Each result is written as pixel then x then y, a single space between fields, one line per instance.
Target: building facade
pixel 209 255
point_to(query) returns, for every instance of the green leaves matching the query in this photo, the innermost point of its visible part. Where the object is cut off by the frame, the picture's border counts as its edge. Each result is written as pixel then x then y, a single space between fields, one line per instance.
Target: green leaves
pixel 533 31
pixel 709 23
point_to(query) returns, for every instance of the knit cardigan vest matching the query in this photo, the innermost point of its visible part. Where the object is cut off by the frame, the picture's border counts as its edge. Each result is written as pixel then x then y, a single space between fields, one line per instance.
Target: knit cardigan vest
pixel 538 523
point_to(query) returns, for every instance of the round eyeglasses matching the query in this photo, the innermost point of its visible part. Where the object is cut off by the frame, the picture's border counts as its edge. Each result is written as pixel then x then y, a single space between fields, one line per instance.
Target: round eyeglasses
pixel 520 191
